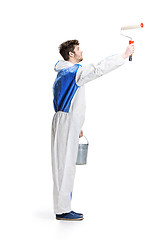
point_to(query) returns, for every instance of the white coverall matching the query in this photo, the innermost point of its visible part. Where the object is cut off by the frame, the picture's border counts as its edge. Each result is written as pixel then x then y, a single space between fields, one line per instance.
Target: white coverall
pixel 66 127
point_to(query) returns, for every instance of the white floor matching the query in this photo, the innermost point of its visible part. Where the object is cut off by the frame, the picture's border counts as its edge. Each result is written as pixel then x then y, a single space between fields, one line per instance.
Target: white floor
pixel 118 202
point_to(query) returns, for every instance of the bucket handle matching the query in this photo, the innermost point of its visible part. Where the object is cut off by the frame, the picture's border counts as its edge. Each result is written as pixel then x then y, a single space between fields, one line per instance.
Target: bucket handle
pixel 86 139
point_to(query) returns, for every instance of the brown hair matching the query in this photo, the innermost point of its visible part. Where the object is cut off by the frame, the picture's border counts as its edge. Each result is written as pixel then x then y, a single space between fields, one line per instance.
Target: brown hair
pixel 67 47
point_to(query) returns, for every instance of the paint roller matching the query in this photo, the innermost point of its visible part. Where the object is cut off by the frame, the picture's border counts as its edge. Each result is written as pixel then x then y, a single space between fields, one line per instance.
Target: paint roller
pixel 129 27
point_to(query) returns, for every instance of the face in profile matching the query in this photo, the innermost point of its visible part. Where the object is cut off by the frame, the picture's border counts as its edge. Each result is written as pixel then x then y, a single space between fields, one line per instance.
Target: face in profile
pixel 78 54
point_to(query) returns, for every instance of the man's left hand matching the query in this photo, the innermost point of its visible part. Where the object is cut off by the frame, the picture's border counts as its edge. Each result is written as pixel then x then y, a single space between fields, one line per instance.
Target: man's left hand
pixel 81 134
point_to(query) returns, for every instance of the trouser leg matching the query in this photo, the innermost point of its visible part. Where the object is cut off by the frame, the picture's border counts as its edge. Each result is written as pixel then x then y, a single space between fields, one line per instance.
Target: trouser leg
pixel 64 146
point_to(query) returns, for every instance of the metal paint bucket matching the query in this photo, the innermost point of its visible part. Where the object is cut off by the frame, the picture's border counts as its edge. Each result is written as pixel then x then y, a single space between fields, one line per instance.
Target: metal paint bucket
pixel 82 153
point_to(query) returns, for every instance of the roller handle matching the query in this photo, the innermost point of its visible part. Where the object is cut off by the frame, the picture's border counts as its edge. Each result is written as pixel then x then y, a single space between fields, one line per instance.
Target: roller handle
pixel 130 57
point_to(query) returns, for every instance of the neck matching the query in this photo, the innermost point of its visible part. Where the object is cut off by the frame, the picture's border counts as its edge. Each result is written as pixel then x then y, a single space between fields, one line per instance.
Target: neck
pixel 73 61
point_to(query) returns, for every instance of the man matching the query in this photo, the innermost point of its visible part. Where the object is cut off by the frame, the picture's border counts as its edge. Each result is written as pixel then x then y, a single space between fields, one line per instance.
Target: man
pixel 69 105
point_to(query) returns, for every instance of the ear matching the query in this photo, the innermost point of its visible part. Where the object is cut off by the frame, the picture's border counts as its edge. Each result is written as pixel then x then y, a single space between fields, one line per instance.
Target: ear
pixel 71 54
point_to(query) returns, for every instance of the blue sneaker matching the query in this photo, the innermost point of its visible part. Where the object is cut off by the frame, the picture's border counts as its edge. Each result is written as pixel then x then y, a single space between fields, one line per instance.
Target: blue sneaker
pixel 80 214
pixel 71 216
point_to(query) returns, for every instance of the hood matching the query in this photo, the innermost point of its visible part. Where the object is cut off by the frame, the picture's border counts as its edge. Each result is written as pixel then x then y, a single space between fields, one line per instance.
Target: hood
pixel 61 64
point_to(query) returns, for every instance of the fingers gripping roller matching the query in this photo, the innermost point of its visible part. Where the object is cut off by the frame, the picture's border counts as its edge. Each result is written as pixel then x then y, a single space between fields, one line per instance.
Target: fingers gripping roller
pixel 129 27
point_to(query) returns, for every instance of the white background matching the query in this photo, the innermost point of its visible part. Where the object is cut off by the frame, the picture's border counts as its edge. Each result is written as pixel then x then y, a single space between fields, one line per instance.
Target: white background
pixel 118 191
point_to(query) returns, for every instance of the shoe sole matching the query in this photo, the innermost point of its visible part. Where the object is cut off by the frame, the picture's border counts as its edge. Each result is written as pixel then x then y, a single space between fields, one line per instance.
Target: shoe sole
pixel 66 219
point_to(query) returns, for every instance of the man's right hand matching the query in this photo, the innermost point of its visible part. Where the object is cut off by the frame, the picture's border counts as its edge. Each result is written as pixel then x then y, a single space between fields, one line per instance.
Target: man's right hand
pixel 129 50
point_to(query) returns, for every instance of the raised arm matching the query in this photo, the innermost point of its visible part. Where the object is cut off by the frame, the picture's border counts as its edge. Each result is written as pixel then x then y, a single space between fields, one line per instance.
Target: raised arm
pixel 92 71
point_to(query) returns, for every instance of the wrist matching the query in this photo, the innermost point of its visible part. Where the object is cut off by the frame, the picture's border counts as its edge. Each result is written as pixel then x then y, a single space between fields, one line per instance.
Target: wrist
pixel 124 55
